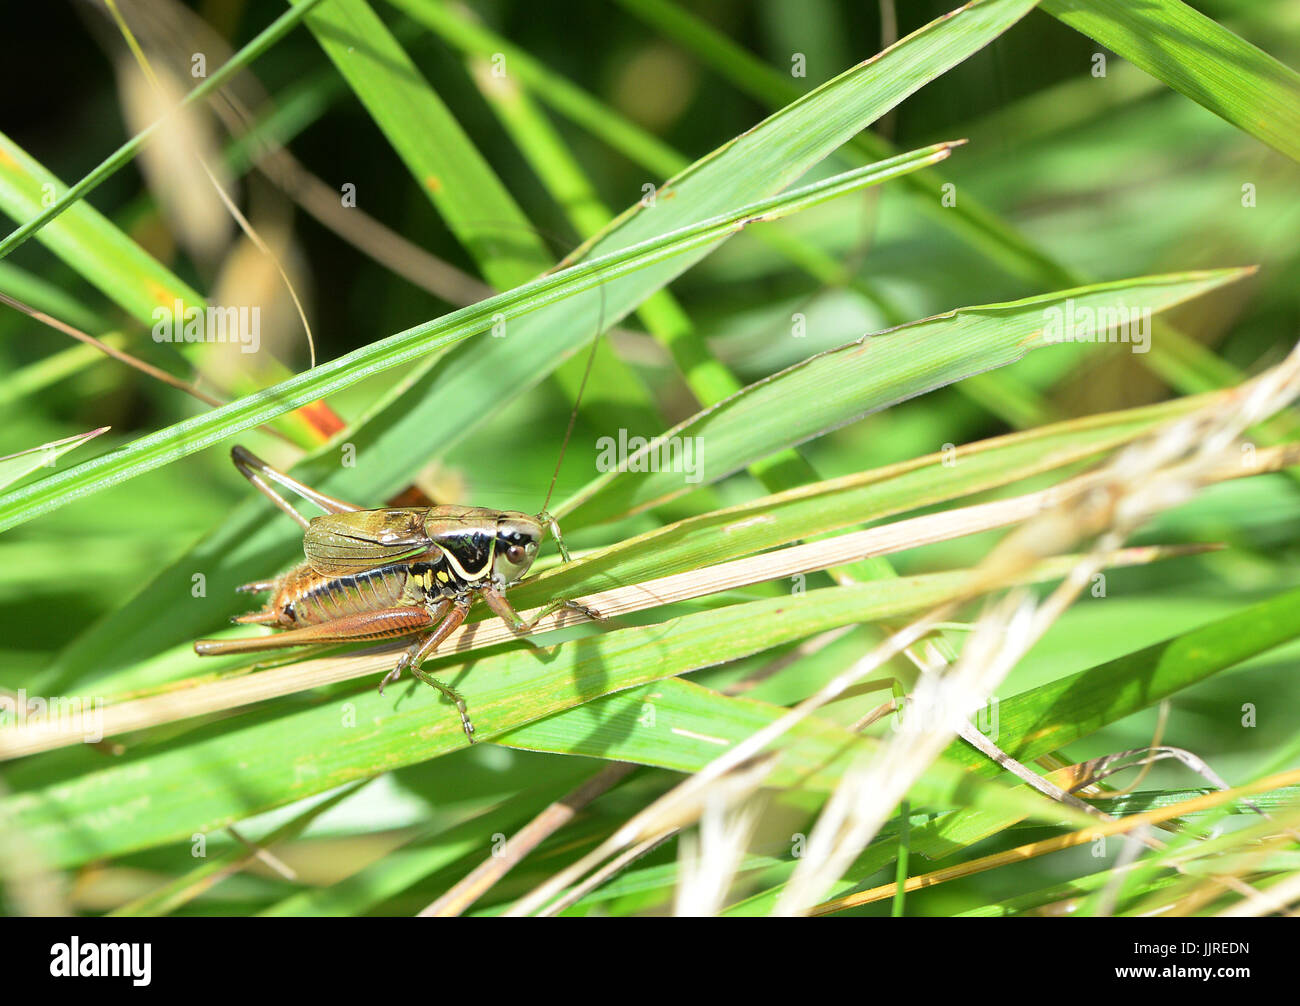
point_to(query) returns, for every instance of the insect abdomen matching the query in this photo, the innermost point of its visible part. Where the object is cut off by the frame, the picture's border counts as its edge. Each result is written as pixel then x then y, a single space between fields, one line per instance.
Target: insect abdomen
pixel 308 598
pixel 304 597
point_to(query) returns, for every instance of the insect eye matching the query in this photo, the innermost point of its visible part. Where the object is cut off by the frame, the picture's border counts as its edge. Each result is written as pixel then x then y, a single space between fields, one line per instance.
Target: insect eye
pixel 515 553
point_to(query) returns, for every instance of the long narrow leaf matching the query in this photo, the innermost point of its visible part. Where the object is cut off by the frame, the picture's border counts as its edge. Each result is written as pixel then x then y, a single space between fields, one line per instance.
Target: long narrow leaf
pixel 1197 56
pixel 193 435
pixel 838 386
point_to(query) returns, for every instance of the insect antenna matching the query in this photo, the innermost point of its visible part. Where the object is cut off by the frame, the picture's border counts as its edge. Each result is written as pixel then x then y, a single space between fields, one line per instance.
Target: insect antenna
pixel 554 241
pixel 545 515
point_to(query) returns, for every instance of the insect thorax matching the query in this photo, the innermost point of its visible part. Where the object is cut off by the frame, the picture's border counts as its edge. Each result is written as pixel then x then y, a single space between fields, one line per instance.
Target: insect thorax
pixel 440 579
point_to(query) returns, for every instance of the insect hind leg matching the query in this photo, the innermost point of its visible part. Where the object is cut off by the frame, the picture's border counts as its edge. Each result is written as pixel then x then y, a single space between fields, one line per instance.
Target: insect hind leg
pixel 258 471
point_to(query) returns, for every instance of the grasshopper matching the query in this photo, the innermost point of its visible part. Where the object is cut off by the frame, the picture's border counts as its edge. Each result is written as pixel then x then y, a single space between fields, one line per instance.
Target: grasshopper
pixel 374 574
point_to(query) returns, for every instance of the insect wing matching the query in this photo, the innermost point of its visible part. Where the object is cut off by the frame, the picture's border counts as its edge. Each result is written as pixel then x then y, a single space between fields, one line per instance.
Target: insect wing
pixel 341 544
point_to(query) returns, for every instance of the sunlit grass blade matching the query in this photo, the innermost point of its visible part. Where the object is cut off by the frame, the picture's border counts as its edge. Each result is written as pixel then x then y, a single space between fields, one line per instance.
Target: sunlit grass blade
pixel 287 757
pixel 16 466
pixel 263 41
pixel 840 385
pixel 195 434
pixel 1199 58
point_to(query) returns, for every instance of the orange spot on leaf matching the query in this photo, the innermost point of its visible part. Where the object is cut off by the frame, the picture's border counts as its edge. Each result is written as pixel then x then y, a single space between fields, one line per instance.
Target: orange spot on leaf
pixel 323 419
pixel 161 295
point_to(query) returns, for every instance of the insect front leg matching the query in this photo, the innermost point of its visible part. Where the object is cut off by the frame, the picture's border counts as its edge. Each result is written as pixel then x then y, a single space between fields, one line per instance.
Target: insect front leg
pixel 501 605
pixel 554 526
pixel 452 614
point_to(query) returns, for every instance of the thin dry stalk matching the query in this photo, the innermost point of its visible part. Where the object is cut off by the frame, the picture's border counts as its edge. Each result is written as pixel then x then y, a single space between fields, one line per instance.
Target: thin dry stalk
pixel 111 351
pixel 1070 840
pixel 235 692
pixel 475 884
pixel 1165 469
pixel 1090 504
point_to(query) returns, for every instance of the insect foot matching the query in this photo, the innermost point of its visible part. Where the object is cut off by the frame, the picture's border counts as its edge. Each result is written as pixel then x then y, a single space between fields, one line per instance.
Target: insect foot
pixel 391 676
pixel 447 690
pixel 582 609
pixel 452 694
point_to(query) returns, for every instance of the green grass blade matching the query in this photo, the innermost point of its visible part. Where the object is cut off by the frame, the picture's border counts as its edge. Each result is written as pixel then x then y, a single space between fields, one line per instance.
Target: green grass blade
pixel 1199 58
pixel 1051 716
pixel 204 431
pixel 441 158
pixel 266 38
pixel 238 769
pixel 836 387
pixel 16 466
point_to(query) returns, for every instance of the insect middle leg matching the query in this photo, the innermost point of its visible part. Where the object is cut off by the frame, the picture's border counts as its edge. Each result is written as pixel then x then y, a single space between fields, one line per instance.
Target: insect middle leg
pixel 502 607
pixel 452 614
